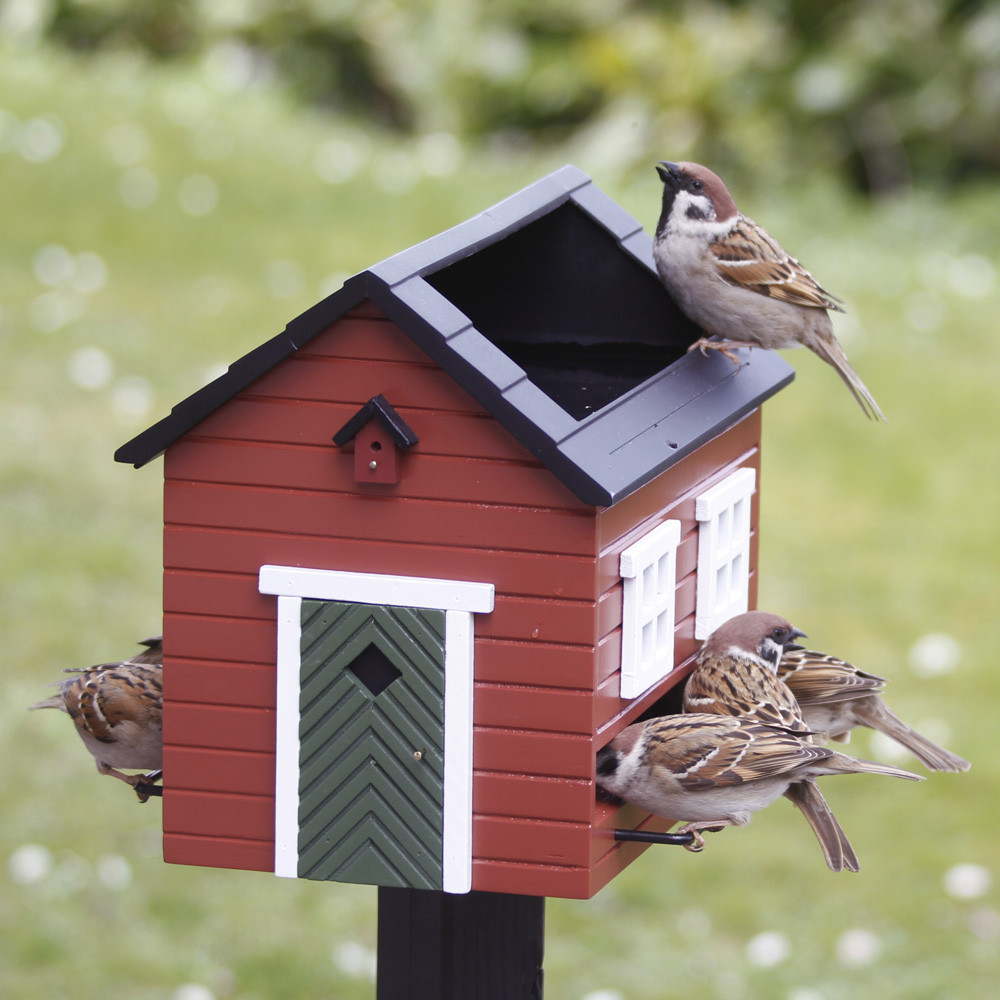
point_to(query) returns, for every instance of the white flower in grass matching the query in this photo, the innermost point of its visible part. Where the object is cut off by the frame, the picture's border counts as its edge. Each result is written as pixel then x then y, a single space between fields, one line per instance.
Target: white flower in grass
pixel 90 368
pixel 138 188
pixel 40 139
pixel 52 264
pixel 30 864
pixel 935 654
pixel 114 871
pixel 132 396
pixel 198 194
pixel 767 949
pixel 967 881
pixel 355 959
pixel 193 991
pixel 858 947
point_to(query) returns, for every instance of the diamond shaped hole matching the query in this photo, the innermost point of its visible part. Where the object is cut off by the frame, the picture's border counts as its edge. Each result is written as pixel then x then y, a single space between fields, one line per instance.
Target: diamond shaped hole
pixel 374 669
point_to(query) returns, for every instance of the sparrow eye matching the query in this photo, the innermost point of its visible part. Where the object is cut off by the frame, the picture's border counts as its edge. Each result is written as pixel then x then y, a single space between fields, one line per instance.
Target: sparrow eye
pixel 697 185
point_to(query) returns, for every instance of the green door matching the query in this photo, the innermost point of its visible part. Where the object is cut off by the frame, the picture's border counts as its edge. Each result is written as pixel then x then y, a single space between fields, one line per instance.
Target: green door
pixel 371 755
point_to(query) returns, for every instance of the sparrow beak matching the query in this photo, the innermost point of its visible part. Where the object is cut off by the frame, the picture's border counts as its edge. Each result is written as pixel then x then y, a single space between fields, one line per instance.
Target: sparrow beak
pixel 668 171
pixel 788 645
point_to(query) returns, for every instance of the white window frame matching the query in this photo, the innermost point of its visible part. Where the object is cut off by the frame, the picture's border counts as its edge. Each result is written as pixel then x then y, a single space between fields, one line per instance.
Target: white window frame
pixel 648 569
pixel 459 599
pixel 724 528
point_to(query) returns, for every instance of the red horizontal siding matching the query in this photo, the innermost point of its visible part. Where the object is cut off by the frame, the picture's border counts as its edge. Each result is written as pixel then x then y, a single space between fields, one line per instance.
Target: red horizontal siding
pixel 268 420
pixel 308 467
pixel 527 879
pixel 505 661
pixel 553 709
pixel 347 380
pixel 429 522
pixel 501 838
pixel 569 578
pixel 519 795
pixel 244 685
pixel 357 336
pixel 218 814
pixel 222 727
pixel 218 852
pixel 191 635
pixel 545 753
pixel 234 771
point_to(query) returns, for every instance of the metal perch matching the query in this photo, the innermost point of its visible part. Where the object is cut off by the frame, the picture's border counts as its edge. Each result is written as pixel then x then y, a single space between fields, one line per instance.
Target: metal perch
pixel 650 837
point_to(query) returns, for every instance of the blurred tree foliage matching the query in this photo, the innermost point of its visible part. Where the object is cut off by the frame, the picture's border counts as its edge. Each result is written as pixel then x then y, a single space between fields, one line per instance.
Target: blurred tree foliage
pixel 885 93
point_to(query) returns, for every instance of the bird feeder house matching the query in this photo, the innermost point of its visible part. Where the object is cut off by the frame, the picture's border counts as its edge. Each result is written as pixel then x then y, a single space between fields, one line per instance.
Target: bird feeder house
pixel 431 547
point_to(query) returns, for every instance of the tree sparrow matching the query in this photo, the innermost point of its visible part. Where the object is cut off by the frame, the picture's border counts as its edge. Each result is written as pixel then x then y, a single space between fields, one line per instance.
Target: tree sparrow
pixel 117 710
pixel 836 696
pixel 736 674
pixel 734 280
pixel 716 770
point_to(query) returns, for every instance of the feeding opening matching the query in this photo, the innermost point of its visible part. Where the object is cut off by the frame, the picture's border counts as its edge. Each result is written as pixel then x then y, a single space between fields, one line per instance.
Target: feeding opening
pixel 562 299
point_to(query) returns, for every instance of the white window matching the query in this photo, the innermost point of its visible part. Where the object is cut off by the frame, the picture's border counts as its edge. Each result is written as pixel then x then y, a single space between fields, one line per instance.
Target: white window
pixel 723 515
pixel 649 573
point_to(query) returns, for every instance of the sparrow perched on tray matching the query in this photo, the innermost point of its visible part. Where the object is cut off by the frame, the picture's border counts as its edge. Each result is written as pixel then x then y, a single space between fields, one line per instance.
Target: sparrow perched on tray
pixel 735 281
pixel 736 674
pixel 835 696
pixel 117 710
pixel 716 770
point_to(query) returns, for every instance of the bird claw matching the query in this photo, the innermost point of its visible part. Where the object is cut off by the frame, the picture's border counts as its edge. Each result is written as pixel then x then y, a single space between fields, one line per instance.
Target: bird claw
pixel 145 785
pixel 697 844
pixel 706 344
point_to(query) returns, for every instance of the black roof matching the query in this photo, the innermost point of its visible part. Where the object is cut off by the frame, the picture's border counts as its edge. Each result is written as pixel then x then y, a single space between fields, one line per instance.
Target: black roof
pixel 547 309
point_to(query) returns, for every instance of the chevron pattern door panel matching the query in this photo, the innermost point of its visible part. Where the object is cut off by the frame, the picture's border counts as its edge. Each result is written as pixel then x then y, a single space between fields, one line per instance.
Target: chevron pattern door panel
pixel 371 744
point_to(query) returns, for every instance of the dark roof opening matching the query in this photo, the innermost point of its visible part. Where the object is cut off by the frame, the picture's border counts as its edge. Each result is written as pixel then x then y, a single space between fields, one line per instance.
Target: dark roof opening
pixel 584 319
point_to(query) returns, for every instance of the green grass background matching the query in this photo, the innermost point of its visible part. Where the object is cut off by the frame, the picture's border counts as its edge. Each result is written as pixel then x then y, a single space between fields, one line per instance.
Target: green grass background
pixel 872 538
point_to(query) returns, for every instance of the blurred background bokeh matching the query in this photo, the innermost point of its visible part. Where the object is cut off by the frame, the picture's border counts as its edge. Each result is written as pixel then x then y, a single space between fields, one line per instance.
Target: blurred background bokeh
pixel 179 178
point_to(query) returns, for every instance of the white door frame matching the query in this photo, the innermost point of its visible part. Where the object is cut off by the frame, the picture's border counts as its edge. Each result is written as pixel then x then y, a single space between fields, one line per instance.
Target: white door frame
pixel 459 599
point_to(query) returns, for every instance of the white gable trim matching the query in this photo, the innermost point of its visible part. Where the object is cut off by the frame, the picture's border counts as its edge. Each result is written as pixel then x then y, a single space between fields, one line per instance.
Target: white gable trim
pixel 459 599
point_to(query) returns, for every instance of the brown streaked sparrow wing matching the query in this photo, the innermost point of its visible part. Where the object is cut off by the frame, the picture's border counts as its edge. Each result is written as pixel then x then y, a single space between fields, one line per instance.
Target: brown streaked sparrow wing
pixel 750 258
pixel 835 696
pixel 736 673
pixel 117 711
pixel 820 679
pixel 716 770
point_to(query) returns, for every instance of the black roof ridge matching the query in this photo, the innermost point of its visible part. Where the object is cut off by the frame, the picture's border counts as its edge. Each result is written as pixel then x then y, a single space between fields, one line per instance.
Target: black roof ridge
pixel 602 457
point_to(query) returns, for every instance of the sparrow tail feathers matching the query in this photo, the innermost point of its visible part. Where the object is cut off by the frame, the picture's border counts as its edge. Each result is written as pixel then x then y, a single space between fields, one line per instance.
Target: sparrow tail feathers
pixel 808 799
pixel 875 714
pixel 842 763
pixel 832 353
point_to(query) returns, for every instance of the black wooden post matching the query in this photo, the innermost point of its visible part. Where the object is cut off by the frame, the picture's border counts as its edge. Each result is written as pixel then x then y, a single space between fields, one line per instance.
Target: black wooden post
pixel 478 946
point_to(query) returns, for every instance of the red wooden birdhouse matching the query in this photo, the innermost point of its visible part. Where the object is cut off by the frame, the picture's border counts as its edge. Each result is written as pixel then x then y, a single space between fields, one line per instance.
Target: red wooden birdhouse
pixel 433 545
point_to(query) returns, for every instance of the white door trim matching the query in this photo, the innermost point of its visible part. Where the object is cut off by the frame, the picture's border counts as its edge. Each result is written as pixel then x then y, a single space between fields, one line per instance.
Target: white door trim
pixel 459 599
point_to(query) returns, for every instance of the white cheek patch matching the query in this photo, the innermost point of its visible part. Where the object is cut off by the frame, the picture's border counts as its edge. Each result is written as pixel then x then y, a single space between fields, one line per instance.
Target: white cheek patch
pixel 696 208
